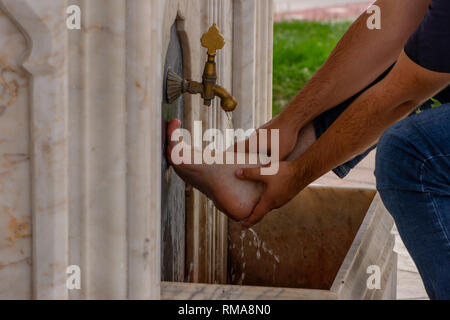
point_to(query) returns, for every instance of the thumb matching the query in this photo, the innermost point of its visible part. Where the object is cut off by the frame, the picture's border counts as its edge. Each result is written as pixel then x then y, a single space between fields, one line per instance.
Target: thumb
pixel 250 174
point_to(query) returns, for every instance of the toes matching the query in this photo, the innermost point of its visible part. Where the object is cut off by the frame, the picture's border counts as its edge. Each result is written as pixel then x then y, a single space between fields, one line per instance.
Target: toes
pixel 172 126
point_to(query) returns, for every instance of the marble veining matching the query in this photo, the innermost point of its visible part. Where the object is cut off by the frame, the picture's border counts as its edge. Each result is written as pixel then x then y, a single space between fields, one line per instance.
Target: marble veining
pixel 15 218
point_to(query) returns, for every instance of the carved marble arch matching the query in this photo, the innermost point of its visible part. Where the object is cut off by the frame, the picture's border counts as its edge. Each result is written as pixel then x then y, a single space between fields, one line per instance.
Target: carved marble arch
pixel 44 62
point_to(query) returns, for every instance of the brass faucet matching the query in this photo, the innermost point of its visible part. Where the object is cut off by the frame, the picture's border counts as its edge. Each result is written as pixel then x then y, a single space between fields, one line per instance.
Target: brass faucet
pixel 208 89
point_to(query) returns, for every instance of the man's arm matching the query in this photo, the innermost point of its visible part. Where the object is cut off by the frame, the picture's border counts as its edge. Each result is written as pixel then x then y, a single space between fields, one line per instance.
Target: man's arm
pixel 359 127
pixel 358 59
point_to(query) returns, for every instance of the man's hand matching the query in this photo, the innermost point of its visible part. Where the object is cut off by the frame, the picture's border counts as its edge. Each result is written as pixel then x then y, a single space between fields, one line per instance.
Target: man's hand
pixel 279 189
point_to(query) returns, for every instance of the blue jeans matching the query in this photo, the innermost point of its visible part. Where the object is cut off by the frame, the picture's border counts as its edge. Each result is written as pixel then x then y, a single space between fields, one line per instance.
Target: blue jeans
pixel 413 179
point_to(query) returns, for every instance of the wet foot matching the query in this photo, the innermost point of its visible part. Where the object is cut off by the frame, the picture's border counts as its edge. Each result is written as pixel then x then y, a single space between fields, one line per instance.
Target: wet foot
pixel 236 198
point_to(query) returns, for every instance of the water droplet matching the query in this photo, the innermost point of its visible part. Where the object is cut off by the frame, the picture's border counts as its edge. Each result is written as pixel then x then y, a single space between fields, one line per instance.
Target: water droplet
pixel 230 119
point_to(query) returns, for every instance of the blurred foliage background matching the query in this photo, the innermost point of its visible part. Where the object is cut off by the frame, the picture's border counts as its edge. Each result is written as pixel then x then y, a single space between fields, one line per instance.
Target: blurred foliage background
pixel 300 48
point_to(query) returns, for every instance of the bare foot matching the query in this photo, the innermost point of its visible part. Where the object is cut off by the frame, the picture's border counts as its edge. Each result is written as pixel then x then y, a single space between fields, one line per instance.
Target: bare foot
pixel 236 198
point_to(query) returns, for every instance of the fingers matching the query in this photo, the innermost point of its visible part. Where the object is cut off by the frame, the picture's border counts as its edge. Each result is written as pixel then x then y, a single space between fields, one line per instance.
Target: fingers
pixel 263 207
pixel 250 174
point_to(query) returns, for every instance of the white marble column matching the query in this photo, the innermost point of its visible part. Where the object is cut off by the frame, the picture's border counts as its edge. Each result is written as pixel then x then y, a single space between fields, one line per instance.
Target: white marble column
pixel 94 150
pixel 252 61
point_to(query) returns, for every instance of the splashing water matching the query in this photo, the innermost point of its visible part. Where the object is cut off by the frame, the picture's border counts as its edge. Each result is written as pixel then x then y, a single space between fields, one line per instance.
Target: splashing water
pixel 242 243
pixel 270 252
pixel 230 120
pixel 256 242
pixel 242 237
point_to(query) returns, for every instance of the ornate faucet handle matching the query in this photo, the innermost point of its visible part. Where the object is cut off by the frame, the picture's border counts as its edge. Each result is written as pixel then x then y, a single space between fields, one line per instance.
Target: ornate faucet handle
pixel 213 40
pixel 175 85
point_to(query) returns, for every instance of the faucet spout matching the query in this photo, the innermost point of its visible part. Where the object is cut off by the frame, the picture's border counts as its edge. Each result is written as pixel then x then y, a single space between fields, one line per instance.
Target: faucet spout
pixel 227 101
pixel 208 89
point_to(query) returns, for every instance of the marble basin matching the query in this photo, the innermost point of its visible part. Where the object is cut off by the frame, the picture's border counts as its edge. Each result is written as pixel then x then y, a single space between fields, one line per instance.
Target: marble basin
pixel 323 242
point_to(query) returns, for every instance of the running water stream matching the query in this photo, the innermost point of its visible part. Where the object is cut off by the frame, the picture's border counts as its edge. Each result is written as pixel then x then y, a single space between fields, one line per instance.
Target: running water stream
pixel 230 120
pixel 255 241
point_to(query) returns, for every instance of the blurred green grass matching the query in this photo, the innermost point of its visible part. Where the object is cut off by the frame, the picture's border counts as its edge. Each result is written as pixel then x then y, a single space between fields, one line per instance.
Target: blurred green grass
pixel 300 48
